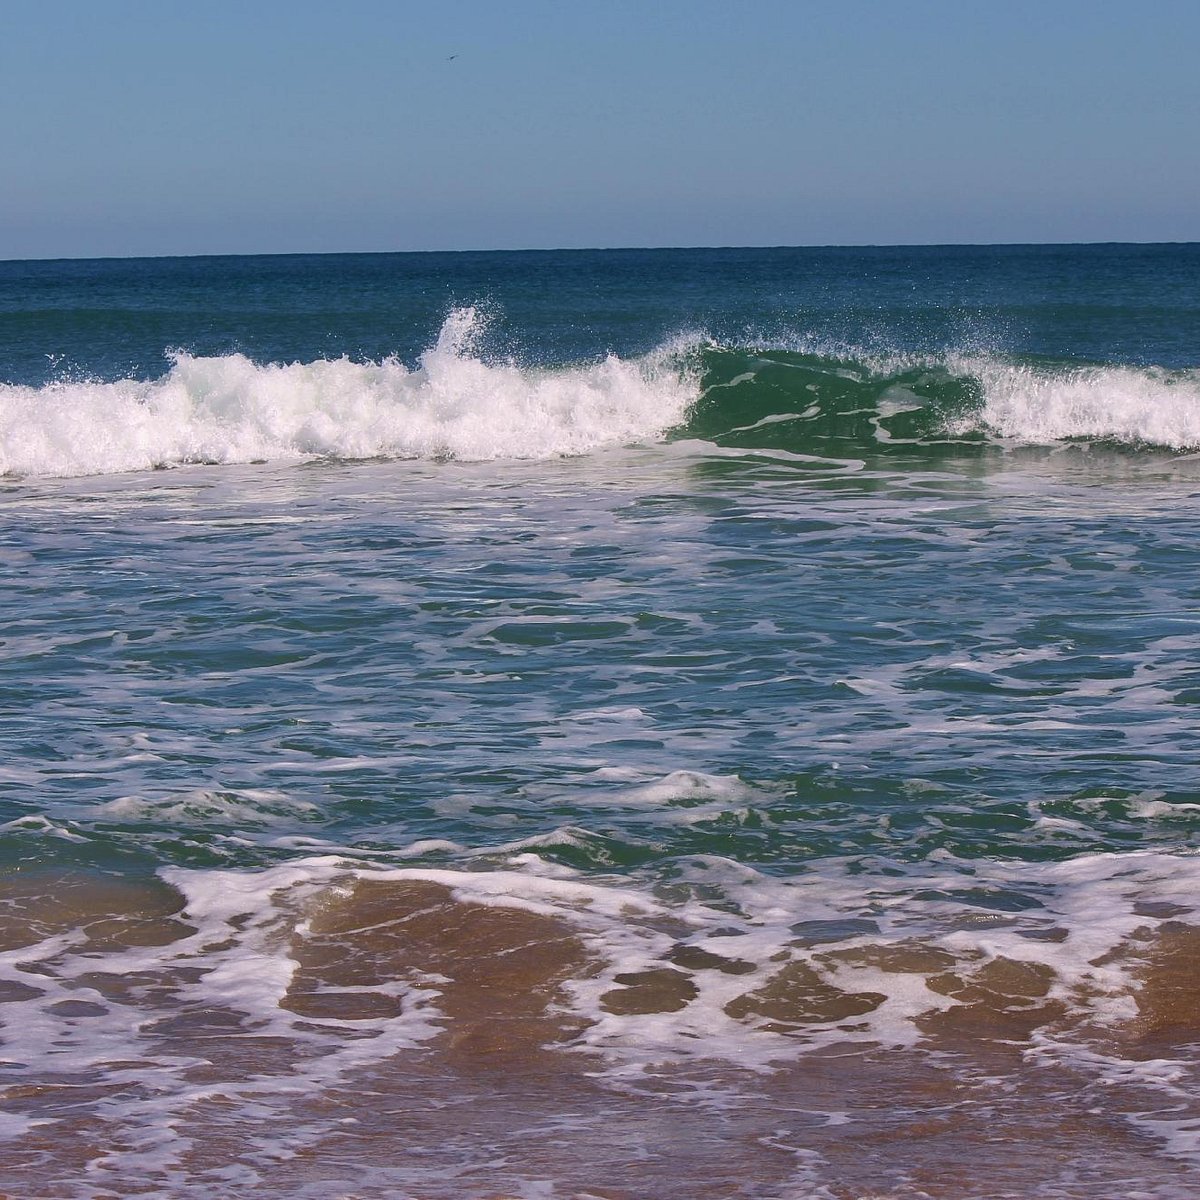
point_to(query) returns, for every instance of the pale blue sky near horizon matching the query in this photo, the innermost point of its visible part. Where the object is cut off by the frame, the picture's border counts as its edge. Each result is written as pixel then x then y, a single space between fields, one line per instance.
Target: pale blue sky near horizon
pixel 135 127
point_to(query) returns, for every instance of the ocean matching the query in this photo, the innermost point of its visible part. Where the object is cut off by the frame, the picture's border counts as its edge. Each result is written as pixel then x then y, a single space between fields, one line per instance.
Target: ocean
pixel 602 725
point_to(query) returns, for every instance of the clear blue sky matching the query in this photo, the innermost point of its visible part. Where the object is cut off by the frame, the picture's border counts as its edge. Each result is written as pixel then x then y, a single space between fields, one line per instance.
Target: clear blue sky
pixel 164 127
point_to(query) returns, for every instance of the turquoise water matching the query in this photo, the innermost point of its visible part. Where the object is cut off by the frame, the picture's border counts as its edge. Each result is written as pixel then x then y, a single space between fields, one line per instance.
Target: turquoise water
pixel 806 639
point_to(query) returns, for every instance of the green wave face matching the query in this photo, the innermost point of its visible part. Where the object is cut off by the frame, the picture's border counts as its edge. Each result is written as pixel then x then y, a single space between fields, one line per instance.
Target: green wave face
pixel 833 407
pixel 958 405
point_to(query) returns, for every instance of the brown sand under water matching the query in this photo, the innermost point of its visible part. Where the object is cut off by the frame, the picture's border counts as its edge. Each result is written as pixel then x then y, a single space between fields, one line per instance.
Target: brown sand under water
pixel 498 1097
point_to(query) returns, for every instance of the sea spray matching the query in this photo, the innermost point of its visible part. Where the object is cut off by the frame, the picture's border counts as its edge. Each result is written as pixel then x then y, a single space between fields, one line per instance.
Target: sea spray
pixel 452 404
pixel 1148 406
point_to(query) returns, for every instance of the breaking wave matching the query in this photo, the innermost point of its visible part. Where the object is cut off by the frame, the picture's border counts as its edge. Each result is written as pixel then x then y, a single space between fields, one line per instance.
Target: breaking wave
pixel 452 404
pixel 455 404
pixel 841 404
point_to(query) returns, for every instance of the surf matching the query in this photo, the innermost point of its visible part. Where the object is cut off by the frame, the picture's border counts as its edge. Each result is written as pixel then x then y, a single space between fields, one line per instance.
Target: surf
pixel 451 404
pixel 455 402
pixel 955 404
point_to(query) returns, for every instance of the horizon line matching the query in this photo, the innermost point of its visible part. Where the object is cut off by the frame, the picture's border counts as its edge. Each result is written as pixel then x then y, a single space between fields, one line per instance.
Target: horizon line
pixel 591 250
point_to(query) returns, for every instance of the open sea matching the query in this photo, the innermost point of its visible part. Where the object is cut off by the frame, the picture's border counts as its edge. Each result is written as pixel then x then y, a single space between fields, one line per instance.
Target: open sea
pixel 615 725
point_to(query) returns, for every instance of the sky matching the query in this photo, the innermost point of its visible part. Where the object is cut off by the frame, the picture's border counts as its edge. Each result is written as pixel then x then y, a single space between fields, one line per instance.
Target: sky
pixel 145 127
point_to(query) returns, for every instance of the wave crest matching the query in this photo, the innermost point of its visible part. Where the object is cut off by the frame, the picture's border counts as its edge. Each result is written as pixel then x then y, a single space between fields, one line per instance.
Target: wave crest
pixel 1148 406
pixel 828 402
pixel 452 404
pixel 841 405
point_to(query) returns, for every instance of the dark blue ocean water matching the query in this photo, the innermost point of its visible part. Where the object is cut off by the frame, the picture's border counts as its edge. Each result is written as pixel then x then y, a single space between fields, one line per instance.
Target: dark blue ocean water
pixel 112 318
pixel 711 664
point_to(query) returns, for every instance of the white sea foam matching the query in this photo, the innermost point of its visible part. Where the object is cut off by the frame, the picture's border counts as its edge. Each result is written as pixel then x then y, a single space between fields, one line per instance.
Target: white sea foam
pixel 1149 406
pixel 1093 899
pixel 452 404
pixel 719 934
pixel 247 806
